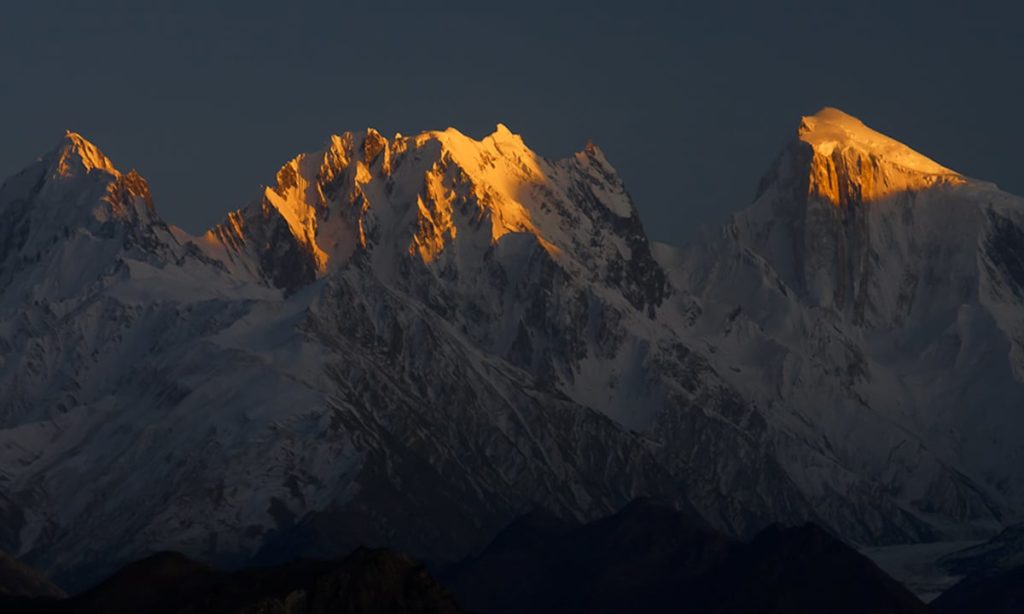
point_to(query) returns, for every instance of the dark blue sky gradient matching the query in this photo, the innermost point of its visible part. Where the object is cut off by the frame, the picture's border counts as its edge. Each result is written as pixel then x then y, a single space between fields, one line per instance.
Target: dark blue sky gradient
pixel 208 99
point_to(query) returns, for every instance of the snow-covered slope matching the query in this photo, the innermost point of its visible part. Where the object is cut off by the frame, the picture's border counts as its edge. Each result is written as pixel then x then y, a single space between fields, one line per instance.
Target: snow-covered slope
pixel 178 398
pixel 410 341
pixel 871 299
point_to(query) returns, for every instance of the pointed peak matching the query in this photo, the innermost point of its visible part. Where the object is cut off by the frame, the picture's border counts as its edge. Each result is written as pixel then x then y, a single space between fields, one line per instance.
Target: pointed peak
pixel 502 134
pixel 77 152
pixel 830 125
pixel 592 149
pixel 834 115
pixel 373 145
pixel 830 129
pixel 592 152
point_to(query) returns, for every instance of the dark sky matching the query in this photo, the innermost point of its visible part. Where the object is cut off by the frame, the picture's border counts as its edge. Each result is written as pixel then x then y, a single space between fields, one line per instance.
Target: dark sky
pixel 690 104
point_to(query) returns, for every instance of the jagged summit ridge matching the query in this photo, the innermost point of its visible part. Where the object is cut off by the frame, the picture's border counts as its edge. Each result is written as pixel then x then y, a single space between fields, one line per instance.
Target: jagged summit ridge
pixel 73 185
pixel 71 222
pixel 76 152
pixel 441 198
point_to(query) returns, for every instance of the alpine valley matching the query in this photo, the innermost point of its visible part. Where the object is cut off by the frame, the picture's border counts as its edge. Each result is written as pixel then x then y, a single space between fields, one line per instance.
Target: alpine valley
pixel 410 342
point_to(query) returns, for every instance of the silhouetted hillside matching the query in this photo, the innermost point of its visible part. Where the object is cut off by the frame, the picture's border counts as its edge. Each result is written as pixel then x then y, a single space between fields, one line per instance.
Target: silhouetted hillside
pixel 998 593
pixel 650 558
pixel 367 581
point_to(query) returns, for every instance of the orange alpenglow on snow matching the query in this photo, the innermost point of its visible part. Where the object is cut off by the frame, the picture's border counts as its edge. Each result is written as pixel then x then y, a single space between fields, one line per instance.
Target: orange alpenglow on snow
pixel 334 199
pixel 77 151
pixel 853 163
pixel 501 166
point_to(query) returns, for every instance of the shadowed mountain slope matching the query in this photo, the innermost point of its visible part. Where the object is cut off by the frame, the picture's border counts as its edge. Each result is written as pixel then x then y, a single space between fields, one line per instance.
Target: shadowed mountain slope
pixel 650 558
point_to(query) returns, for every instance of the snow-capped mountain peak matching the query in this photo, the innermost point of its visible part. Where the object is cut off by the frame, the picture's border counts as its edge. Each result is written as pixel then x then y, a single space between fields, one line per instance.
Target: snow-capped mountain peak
pixel 831 128
pixel 74 185
pixel 75 153
pixel 71 219
pixel 419 196
pixel 851 161
pixel 894 286
pixel 846 215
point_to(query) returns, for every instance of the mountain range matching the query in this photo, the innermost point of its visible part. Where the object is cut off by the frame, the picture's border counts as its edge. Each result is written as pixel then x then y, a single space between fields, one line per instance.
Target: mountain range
pixel 409 342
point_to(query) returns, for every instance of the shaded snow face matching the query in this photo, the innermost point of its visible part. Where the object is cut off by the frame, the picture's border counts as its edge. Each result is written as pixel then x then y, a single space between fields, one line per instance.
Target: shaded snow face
pixel 866 296
pixel 853 220
pixel 301 365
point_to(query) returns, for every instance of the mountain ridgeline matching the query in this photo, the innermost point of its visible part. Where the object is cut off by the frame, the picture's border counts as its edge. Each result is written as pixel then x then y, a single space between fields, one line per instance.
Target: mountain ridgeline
pixel 409 342
pixel 644 558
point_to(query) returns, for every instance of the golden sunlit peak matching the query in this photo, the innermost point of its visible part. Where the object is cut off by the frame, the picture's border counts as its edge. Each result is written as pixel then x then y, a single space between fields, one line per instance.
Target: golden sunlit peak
pixel 830 128
pixel 502 134
pixel 77 149
pixel 853 163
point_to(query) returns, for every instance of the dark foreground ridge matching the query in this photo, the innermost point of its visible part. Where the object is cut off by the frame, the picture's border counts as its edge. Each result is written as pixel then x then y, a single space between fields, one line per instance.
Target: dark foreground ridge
pixel 994 593
pixel 20 580
pixel 645 558
pixel 365 581
pixel 651 558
